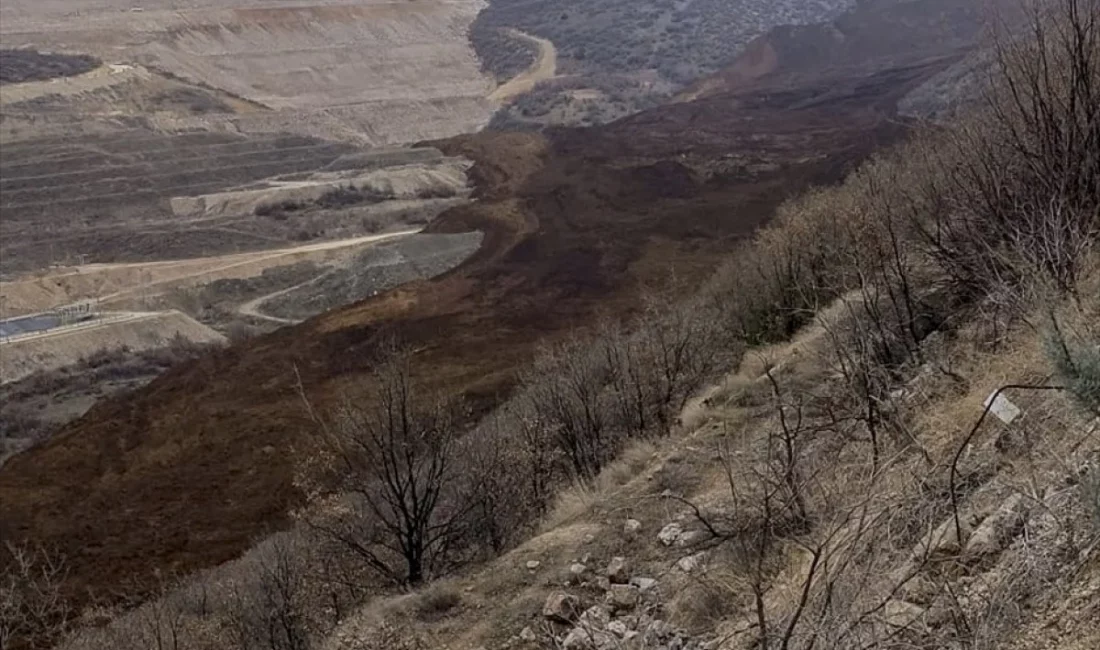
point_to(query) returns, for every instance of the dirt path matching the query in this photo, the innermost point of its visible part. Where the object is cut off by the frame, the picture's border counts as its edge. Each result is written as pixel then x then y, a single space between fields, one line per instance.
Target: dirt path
pixel 252 307
pixel 544 67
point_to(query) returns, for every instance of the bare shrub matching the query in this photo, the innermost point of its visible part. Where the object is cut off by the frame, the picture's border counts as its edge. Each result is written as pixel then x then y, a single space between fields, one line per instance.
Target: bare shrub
pixel 33 609
pixel 564 389
pixel 1021 183
pixel 266 606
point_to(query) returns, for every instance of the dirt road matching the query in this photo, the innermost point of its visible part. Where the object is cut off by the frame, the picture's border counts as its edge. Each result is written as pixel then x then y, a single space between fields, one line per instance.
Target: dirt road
pixel 544 67
pixel 252 307
pixel 118 281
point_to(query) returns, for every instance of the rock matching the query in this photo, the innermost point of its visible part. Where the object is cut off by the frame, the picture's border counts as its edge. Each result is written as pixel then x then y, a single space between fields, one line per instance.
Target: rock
pixel 900 614
pixel 643 584
pixel 533 564
pixel 690 563
pixel 656 631
pixel 528 635
pixel 562 608
pixel 622 597
pixel 595 616
pixel 632 526
pixel 989 537
pixel 580 638
pixel 576 575
pixel 941 542
pixel 618 628
pixel 616 571
pixel 691 537
pixel 670 534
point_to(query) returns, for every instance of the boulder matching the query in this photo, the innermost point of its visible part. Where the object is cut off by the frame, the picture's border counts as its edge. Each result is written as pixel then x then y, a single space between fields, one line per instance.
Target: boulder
pixel 533 564
pixel 528 635
pixel 561 608
pixel 631 527
pixel 618 628
pixel 616 571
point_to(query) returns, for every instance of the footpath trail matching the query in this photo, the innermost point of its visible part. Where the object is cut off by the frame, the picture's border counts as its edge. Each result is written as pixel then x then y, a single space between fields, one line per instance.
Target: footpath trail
pixel 544 67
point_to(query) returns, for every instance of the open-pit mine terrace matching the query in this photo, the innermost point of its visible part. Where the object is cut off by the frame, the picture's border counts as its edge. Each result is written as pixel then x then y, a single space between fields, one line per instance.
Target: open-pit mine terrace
pixel 371 71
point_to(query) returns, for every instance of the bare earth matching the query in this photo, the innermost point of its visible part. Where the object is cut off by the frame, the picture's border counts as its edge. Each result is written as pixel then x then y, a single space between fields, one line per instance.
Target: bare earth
pixel 545 67
pixel 374 72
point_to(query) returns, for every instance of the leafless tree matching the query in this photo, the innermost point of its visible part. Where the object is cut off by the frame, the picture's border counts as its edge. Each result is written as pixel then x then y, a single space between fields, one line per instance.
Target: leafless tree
pixel 391 467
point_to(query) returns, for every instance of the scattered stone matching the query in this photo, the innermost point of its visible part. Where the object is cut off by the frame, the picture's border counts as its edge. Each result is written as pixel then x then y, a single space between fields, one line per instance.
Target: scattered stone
pixel 656 631
pixel 691 537
pixel 689 563
pixel 589 538
pixel 595 616
pixel 622 597
pixel 580 638
pixel 643 584
pixel 533 564
pixel 670 534
pixel 989 537
pixel 941 542
pixel 563 608
pixel 528 635
pixel 632 526
pixel 618 628
pixel 616 571
pixel 576 573
pixel 900 614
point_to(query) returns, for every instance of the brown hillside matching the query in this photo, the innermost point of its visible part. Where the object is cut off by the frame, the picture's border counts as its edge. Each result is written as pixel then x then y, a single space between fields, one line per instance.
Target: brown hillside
pixel 188 471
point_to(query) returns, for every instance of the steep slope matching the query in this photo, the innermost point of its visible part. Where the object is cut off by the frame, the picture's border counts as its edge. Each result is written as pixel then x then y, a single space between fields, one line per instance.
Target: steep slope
pixel 187 471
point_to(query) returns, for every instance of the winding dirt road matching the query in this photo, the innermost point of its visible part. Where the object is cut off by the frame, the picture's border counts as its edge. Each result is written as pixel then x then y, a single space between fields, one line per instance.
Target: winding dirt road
pixel 545 67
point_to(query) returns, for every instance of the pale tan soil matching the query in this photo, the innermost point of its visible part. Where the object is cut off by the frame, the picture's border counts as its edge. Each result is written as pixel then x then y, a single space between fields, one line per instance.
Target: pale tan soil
pixel 20 357
pixel 544 67
pixel 115 283
pixel 376 72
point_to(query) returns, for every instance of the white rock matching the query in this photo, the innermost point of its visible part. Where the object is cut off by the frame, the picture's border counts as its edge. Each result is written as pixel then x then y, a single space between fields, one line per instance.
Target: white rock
pixel 616 570
pixel 643 584
pixel 595 617
pixel 690 563
pixel 580 638
pixel 632 526
pixel 670 534
pixel 527 634
pixel 618 628
pixel 533 564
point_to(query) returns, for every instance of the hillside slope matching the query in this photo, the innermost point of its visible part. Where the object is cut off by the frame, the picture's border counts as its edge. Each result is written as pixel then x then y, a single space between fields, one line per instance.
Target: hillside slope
pixel 186 472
